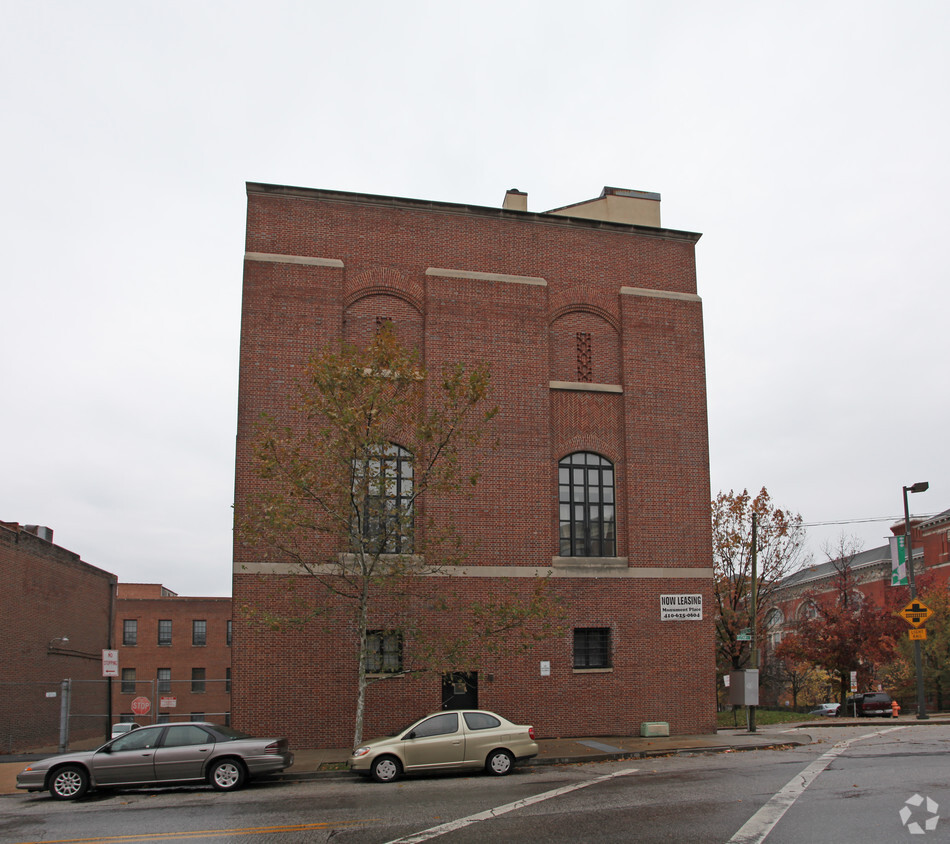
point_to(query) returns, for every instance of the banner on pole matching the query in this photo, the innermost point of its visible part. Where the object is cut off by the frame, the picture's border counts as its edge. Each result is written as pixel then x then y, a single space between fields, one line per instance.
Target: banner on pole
pixel 898 562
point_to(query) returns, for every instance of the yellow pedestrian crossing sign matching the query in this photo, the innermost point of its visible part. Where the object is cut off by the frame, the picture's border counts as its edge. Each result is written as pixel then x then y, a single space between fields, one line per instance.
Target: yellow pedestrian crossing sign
pixel 916 613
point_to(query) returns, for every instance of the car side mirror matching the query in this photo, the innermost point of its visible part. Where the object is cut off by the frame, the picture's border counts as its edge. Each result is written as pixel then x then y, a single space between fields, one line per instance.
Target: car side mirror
pixel 410 735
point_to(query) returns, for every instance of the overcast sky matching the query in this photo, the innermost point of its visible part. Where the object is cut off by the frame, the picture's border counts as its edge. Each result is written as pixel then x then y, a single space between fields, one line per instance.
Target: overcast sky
pixel 808 142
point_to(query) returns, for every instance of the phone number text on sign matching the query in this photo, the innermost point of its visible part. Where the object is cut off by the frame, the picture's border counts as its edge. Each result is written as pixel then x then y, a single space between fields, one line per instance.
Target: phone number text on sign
pixel 681 607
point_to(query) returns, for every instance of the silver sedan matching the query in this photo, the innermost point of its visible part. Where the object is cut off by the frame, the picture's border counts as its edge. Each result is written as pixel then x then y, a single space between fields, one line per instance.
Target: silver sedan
pixel 446 741
pixel 160 754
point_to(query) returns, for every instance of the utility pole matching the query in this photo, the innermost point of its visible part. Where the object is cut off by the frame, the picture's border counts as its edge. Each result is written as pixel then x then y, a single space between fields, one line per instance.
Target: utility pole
pixel 754 661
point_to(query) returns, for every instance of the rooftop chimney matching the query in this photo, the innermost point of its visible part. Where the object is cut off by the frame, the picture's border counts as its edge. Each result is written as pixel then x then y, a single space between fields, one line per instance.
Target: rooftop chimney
pixel 515 200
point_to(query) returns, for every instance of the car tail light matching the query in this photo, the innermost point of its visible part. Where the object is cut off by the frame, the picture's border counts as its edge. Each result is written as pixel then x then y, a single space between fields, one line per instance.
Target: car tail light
pixel 531 733
pixel 273 747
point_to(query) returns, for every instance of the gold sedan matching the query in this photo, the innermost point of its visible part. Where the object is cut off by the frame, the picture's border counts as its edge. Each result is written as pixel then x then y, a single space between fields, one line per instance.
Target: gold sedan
pixel 447 741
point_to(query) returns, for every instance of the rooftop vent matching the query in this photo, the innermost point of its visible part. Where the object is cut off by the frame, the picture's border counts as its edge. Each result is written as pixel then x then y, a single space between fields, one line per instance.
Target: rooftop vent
pixel 617 205
pixel 41 531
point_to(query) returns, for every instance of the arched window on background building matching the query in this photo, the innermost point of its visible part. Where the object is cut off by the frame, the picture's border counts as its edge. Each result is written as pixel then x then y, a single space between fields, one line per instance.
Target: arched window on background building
pixel 774 622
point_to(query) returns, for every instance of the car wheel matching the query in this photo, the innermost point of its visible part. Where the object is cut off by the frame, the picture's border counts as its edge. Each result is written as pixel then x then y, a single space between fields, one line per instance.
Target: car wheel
pixel 499 763
pixel 69 783
pixel 386 769
pixel 227 775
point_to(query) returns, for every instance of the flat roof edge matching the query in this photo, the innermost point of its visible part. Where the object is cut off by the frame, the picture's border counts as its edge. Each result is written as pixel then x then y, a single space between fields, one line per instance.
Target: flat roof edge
pixel 264 189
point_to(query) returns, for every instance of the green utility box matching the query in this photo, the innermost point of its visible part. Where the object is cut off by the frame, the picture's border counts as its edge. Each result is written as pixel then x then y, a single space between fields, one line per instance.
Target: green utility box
pixel 649 729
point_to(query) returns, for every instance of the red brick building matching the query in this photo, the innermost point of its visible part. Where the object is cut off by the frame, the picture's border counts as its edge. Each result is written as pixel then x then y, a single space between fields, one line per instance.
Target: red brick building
pixel 871 569
pixel 175 651
pixel 591 322
pixel 55 623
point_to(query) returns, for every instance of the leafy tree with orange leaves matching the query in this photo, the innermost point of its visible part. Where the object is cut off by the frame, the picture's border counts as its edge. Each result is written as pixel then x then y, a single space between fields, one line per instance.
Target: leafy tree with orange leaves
pixel 934 650
pixel 845 632
pixel 780 541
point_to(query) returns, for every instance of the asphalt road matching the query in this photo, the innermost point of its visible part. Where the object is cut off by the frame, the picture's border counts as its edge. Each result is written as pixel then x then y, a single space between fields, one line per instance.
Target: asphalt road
pixel 851 785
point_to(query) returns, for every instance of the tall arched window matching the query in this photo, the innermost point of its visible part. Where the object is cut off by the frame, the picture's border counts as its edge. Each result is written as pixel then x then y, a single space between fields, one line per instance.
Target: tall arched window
pixel 774 622
pixel 586 505
pixel 382 499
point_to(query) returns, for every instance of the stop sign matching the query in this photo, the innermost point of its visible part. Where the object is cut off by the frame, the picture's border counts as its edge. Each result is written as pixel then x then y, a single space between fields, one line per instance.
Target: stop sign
pixel 141 705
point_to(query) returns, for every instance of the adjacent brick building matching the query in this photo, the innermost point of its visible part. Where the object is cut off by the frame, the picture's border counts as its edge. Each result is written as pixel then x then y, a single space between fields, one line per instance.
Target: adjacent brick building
pixel 799 596
pixel 591 322
pixel 871 569
pixel 55 622
pixel 174 651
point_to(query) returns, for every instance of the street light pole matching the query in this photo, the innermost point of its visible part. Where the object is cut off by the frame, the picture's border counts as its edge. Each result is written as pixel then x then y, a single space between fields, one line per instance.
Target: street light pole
pixel 920 486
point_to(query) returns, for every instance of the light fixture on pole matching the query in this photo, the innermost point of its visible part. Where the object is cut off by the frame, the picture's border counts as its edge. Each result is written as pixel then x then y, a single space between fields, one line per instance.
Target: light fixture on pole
pixel 920 486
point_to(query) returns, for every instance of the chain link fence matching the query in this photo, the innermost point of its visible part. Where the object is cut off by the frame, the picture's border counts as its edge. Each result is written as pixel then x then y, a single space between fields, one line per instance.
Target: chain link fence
pixel 52 716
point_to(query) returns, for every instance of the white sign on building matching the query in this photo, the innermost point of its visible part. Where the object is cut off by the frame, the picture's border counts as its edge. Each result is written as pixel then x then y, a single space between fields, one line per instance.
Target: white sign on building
pixel 110 663
pixel 681 607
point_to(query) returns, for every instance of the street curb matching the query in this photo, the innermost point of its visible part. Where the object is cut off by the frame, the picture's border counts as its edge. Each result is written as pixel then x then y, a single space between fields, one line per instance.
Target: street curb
pixel 567 760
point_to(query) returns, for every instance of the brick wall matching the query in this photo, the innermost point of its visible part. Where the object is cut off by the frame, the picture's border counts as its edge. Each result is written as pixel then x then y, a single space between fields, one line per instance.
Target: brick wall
pixel 181 656
pixel 50 594
pixel 515 290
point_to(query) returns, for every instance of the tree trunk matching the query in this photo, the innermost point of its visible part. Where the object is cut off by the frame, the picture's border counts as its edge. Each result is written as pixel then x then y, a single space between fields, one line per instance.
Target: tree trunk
pixel 361 673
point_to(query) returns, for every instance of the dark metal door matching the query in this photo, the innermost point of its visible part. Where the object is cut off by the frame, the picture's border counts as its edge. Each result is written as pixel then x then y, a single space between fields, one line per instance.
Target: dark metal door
pixel 460 690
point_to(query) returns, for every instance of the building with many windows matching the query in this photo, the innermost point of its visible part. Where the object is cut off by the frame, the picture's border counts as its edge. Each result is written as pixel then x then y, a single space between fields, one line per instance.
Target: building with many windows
pixel 798 595
pixel 590 320
pixel 174 651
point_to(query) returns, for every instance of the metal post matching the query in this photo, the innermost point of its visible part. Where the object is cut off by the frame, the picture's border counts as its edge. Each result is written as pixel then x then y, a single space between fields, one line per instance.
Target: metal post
pixel 64 715
pixel 110 638
pixel 909 553
pixel 755 645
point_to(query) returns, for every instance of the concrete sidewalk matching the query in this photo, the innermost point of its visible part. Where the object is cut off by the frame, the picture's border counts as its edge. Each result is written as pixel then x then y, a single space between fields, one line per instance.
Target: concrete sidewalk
pixel 319 764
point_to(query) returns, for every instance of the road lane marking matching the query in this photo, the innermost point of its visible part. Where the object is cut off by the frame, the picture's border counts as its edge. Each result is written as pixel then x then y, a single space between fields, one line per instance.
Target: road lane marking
pixel 436 831
pixel 754 830
pixel 201 833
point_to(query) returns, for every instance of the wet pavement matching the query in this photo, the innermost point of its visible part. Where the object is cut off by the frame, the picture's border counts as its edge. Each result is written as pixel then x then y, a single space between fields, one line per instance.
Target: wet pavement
pixel 331 762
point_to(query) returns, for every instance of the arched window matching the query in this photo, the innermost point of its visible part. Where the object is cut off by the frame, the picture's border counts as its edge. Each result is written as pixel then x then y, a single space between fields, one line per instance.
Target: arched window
pixel 382 499
pixel 774 621
pixel 852 599
pixel 586 505
pixel 808 609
